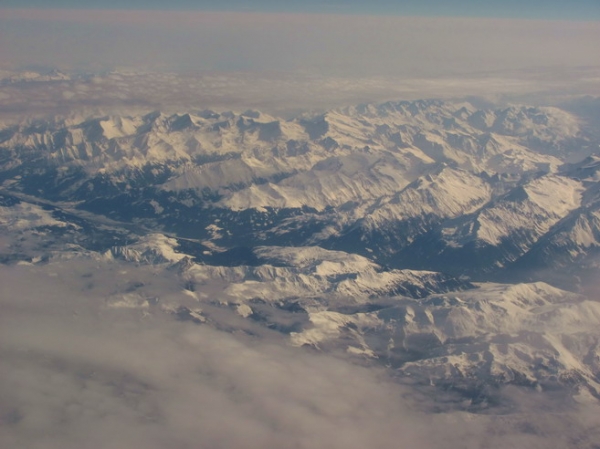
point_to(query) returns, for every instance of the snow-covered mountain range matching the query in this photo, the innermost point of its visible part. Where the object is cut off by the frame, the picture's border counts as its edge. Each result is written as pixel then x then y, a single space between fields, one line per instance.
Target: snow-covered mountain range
pixel 452 244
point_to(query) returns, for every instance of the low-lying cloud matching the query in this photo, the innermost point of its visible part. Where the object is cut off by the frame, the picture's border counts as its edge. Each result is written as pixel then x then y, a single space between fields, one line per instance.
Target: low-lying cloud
pixel 73 378
pixel 75 373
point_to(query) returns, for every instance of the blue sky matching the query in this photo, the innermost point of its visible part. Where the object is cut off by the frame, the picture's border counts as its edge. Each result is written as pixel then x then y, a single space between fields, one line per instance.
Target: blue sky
pixel 530 9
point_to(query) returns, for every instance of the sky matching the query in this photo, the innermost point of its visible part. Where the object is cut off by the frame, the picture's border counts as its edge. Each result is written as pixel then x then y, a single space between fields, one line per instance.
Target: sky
pixel 340 50
pixel 531 9
pixel 352 45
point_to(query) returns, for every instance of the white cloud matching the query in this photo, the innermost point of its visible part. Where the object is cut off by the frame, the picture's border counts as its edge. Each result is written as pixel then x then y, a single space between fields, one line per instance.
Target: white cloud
pixel 75 373
pixel 74 376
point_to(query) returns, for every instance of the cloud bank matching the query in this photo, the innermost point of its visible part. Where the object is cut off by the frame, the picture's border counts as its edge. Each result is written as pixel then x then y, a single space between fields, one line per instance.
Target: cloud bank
pixel 78 373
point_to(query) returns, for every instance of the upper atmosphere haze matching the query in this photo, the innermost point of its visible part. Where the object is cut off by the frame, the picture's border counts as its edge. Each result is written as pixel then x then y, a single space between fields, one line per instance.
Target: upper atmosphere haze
pixel 531 9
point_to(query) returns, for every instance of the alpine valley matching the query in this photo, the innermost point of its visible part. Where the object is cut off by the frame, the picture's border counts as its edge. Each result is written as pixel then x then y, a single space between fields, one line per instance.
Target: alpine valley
pixel 454 245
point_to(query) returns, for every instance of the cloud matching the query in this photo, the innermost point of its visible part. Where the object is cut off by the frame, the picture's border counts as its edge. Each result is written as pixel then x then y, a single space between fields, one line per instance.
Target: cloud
pixel 280 94
pixel 285 63
pixel 75 373
pixel 73 380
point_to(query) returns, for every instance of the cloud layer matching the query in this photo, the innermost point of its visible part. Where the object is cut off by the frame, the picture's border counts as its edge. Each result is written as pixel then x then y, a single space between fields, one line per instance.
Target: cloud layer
pixel 78 373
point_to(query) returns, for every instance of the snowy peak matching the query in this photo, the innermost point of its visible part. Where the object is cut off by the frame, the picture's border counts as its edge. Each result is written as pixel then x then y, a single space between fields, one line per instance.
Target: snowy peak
pixel 414 185
pixel 150 249
pixel 493 332
pixel 548 199
pixel 431 327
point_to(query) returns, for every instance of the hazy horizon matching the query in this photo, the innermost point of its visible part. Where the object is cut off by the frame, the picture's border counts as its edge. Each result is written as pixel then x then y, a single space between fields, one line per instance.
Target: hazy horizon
pixel 289 61
pixel 330 44
pixel 531 9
